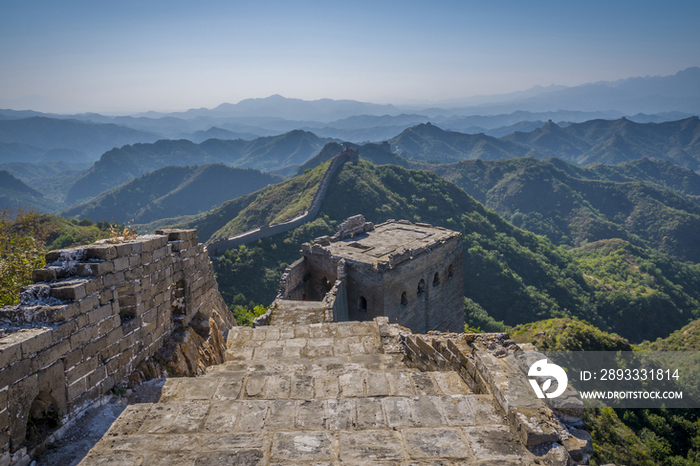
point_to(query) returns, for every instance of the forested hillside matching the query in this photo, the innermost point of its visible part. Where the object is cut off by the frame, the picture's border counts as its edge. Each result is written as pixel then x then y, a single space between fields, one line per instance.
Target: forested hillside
pixel 650 203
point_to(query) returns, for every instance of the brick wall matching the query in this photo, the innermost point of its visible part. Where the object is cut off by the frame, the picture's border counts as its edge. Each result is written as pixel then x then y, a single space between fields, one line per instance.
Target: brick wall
pixel 94 313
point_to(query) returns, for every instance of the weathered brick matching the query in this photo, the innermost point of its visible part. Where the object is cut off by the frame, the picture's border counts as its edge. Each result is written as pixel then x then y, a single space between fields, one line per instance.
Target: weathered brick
pixel 134 261
pixel 149 327
pixel 106 295
pixel 107 384
pixel 69 292
pixel 101 313
pixel 161 241
pixel 73 358
pixel 108 325
pixel 109 352
pixel 124 249
pixel 50 355
pixel 82 320
pixel 95 285
pixel 110 279
pixel 81 370
pixel 93 348
pixel 149 315
pixel 34 341
pixel 121 263
pixel 4 422
pixel 66 328
pixel 160 253
pixel 88 304
pixel 105 252
pixel 83 336
pixel 75 390
pixel 133 274
pixel 16 371
pixel 112 364
pixel 10 351
pixel 96 376
pixel 44 275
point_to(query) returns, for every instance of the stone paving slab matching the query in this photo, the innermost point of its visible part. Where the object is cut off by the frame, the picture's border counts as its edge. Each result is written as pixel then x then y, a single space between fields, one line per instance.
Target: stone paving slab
pixel 222 416
pixel 374 446
pixel 310 383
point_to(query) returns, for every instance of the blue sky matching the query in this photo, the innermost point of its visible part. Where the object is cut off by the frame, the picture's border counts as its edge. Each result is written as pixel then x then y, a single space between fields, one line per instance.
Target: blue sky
pixel 128 56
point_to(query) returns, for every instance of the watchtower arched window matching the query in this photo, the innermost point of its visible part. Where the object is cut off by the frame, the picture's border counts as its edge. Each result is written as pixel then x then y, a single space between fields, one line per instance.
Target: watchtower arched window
pixel 363 304
pixel 450 272
pixel 421 287
pixel 436 279
pixel 404 299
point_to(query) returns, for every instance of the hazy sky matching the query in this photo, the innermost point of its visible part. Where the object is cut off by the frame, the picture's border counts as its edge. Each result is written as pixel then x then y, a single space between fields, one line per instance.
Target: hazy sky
pixel 127 56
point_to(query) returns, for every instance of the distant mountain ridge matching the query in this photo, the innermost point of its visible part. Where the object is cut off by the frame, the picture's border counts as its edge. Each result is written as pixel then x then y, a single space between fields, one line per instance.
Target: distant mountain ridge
pixel 427 142
pixel 323 110
pixel 119 165
pixel 605 141
pixel 15 194
pixel 92 139
pixel 170 192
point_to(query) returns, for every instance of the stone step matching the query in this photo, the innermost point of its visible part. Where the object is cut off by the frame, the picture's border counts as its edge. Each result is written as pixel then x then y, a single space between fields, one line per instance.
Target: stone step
pixel 314 385
pixel 212 416
pixel 463 430
pixel 311 349
pixel 239 335
pixel 376 361
pixel 303 348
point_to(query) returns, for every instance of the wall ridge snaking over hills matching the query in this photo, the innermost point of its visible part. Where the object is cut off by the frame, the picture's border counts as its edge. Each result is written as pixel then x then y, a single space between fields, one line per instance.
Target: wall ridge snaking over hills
pixel 265 231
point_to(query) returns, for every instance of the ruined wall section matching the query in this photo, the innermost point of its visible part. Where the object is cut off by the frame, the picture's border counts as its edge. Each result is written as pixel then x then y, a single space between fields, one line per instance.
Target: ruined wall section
pixel 292 279
pixel 218 247
pixel 94 314
pixel 493 364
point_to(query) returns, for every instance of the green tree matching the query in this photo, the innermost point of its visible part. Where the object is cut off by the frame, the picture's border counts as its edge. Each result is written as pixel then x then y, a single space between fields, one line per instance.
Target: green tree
pixel 21 251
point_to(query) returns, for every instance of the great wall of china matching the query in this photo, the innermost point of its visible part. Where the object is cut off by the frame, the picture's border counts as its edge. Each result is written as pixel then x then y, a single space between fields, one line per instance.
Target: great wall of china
pixel 348 155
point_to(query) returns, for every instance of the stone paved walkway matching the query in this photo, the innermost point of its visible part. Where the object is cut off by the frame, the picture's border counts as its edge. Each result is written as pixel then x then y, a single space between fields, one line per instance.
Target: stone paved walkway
pixel 312 394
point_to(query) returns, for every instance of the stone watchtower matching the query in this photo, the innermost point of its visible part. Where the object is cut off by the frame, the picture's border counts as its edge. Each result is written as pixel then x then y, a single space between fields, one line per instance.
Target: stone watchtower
pixel 410 273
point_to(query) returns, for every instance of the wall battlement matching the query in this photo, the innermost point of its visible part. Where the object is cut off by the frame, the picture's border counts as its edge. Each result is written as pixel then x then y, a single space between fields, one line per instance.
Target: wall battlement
pixel 93 315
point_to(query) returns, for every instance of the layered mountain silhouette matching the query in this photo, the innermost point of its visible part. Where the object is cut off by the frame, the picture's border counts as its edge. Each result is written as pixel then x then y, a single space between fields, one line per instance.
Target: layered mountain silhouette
pixel 88 138
pixel 605 141
pixel 119 165
pixel 15 194
pixel 171 192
